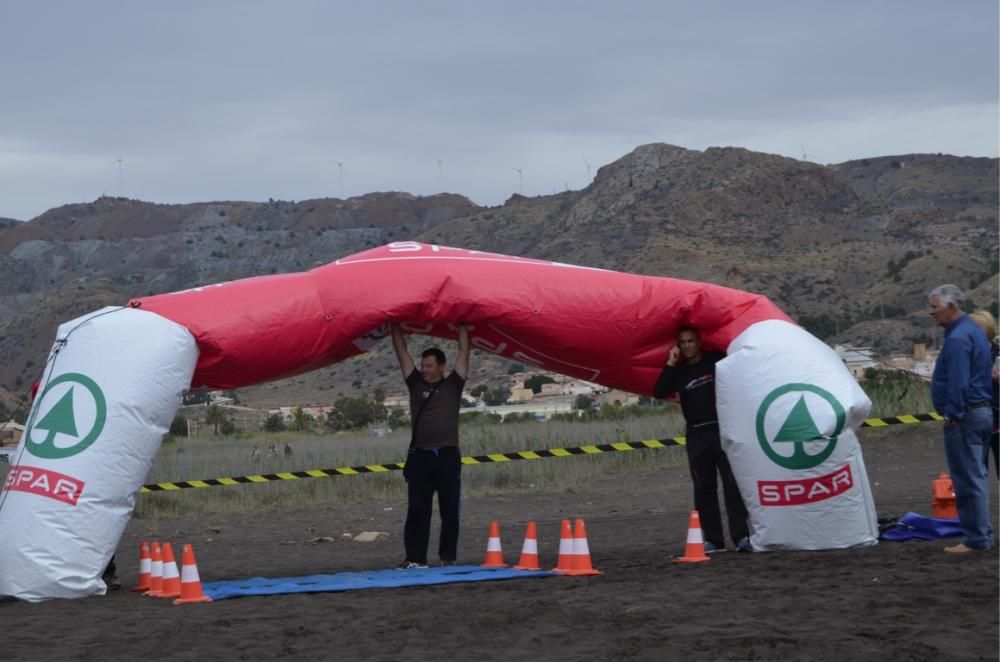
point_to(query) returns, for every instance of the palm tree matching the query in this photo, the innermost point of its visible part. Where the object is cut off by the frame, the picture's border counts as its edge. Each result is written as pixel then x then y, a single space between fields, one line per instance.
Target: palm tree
pixel 300 419
pixel 215 416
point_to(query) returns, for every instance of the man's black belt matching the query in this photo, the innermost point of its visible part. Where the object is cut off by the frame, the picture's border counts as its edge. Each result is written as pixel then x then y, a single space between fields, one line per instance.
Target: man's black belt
pixel 978 405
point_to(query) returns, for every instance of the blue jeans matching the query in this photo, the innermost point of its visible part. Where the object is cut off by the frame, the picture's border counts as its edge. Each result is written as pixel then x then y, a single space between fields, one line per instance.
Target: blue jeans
pixel 967 447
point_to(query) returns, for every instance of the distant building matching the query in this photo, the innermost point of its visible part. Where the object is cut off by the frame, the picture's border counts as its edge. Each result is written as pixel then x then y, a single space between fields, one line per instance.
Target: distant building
pixel 521 395
pixel 618 397
pixel 579 387
pixel 10 433
pixel 857 359
pixel 552 389
pixel 402 401
pixel 920 364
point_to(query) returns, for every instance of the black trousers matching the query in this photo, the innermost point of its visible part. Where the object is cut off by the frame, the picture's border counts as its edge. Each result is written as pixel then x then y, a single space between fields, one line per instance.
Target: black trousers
pixel 430 471
pixel 706 460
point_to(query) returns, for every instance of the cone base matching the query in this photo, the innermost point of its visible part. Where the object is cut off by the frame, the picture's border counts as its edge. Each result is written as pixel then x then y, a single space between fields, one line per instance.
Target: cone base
pixel 581 573
pixel 186 601
pixel 170 594
pixel 493 565
pixel 691 559
pixel 525 567
pixel 140 587
pixel 153 594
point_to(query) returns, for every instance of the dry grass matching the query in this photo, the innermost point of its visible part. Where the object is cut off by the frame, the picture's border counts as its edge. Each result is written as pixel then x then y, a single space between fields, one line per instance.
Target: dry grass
pixel 187 459
pixel 208 457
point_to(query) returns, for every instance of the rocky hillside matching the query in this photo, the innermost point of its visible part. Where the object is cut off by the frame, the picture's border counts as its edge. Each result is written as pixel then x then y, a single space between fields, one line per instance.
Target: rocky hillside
pixel 849 249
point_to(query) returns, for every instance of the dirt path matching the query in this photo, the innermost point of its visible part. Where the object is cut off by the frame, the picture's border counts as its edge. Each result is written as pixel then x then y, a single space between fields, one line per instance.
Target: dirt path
pixel 893 601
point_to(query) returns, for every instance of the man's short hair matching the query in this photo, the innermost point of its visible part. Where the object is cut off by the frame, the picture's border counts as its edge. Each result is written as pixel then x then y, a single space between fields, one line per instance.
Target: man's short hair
pixel 436 353
pixel 688 327
pixel 948 294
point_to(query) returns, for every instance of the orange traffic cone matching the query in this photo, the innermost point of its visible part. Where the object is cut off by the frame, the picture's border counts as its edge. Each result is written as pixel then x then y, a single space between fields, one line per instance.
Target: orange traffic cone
pixel 144 567
pixel 494 554
pixel 943 491
pixel 171 578
pixel 190 581
pixel 581 553
pixel 565 563
pixel 694 551
pixel 155 570
pixel 529 552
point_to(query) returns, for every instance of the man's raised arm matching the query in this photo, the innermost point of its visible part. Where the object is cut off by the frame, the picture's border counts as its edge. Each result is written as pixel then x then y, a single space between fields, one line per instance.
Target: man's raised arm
pixel 462 360
pixel 399 344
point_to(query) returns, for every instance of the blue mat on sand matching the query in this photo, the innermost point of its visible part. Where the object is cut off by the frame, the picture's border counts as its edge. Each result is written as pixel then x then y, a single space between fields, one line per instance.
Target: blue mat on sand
pixel 912 526
pixel 355 581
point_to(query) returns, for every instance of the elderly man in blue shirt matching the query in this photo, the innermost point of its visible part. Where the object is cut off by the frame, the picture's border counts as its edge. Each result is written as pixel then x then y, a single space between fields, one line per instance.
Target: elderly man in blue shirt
pixel 961 391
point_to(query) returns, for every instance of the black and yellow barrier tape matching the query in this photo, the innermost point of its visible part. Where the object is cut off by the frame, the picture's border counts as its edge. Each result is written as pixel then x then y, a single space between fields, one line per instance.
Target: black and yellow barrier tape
pixel 591 449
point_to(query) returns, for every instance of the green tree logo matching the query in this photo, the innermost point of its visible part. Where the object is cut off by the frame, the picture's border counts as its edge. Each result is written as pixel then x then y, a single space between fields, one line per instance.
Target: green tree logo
pixel 798 427
pixel 60 418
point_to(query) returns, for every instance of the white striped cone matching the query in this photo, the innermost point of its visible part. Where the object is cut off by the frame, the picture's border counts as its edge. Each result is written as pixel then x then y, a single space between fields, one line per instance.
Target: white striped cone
pixel 529 552
pixel 191 591
pixel 171 577
pixel 565 562
pixel 494 554
pixel 155 570
pixel 694 550
pixel 145 567
pixel 581 564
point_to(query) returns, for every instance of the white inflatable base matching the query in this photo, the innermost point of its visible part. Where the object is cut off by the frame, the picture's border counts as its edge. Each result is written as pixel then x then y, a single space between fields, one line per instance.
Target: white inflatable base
pixel 111 387
pixel 788 411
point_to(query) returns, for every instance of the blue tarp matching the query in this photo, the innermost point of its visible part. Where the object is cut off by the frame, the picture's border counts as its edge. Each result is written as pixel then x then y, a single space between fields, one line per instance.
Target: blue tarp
pixel 912 526
pixel 354 581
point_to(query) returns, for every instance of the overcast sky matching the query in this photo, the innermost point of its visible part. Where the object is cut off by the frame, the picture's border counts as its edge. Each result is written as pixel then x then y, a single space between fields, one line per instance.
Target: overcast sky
pixel 247 100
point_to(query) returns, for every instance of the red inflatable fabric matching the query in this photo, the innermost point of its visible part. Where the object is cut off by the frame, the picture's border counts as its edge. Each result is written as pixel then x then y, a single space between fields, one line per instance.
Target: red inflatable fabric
pixel 602 326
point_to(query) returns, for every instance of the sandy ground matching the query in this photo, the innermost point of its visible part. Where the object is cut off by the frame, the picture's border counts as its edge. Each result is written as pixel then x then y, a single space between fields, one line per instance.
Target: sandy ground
pixel 906 601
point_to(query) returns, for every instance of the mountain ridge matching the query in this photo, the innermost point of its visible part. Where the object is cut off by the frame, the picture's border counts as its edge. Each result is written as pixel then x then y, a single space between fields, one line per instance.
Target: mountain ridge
pixel 834 246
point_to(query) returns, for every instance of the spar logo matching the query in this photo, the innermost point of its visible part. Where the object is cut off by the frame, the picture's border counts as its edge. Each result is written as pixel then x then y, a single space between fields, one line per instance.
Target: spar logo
pixel 797 428
pixel 798 425
pixel 44 482
pixel 68 417
pixel 807 490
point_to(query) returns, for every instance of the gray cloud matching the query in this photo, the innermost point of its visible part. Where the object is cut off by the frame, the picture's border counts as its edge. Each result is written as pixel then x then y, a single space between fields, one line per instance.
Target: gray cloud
pixel 249 100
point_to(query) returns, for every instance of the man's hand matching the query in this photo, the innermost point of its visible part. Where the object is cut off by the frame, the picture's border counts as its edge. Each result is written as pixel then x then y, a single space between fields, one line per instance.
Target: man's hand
pixel 399 344
pixel 675 356
pixel 462 360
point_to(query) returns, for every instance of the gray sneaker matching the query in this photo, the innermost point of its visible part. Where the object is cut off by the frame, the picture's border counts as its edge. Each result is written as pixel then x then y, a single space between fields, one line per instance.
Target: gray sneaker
pixel 744 545
pixel 410 565
pixel 446 564
pixel 711 548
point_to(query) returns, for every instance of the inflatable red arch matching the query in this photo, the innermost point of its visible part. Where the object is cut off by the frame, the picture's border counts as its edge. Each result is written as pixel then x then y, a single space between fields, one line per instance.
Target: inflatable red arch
pixel 115 378
pixel 603 326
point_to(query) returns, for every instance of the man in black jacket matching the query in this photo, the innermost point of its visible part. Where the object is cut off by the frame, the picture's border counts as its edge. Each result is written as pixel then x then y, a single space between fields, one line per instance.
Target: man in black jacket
pixel 694 380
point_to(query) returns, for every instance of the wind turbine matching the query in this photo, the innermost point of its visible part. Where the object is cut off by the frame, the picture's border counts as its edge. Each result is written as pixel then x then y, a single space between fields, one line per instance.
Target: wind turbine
pixel 520 179
pixel 340 166
pixel 119 162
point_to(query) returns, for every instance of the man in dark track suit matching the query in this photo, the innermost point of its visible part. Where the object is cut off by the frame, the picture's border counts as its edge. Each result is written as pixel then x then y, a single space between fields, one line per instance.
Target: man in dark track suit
pixel 694 380
pixel 433 462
